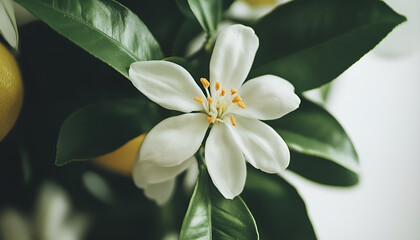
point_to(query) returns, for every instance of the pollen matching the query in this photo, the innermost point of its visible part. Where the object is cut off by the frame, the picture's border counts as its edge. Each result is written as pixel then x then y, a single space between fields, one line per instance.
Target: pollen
pixel 205 82
pixel 217 86
pixel 199 99
pixel 210 100
pixel 233 120
pixel 223 92
pixel 210 119
pixel 237 99
pixel 233 91
pixel 241 104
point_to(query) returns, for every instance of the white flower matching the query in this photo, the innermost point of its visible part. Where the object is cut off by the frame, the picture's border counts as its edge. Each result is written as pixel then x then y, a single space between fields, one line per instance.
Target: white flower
pixel 53 219
pixel 8 27
pixel 231 109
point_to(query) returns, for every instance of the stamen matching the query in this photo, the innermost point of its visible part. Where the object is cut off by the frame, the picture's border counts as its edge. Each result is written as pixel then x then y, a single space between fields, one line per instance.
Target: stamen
pixel 210 119
pixel 217 86
pixel 236 99
pixel 233 120
pixel 241 104
pixel 233 91
pixel 205 82
pixel 216 121
pixel 210 100
pixel 199 99
pixel 223 92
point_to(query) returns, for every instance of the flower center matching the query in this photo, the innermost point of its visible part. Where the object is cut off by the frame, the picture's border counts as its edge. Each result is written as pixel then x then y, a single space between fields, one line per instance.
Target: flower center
pixel 220 106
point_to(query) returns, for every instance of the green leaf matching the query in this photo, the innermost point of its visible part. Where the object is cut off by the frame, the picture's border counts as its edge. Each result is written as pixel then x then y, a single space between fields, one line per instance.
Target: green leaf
pixel 184 7
pixel 311 42
pixel 211 216
pixel 105 29
pixel 321 149
pixel 208 13
pixel 277 207
pixel 103 127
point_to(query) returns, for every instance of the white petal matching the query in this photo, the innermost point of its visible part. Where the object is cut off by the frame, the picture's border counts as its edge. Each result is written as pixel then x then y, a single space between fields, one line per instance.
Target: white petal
pixel 191 176
pixel 232 56
pixel 160 192
pixel 174 140
pixel 8 27
pixel 262 146
pixel 267 97
pixel 166 84
pixel 145 173
pixel 225 162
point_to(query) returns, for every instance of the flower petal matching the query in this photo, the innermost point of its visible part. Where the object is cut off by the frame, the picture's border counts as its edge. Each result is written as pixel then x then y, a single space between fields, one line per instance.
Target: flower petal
pixel 160 192
pixel 262 146
pixel 225 162
pixel 145 173
pixel 267 97
pixel 167 84
pixel 232 56
pixel 191 176
pixel 174 140
pixel 8 27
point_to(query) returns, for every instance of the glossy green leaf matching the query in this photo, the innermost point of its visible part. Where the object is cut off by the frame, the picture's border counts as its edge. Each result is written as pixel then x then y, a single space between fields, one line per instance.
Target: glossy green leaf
pixel 103 127
pixel 321 149
pixel 208 13
pixel 277 207
pixel 211 216
pixel 105 29
pixel 311 42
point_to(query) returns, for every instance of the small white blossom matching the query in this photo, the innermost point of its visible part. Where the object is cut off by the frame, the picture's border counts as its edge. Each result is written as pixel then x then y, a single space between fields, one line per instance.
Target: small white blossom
pixel 8 27
pixel 232 110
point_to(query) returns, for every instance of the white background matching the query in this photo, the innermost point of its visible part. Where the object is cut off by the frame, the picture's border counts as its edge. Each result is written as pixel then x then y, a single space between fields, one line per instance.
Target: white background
pixel 378 103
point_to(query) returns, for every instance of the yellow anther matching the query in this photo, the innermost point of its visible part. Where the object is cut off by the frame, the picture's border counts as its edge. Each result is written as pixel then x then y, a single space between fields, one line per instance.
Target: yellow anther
pixel 236 99
pixel 205 82
pixel 199 99
pixel 217 86
pixel 210 100
pixel 233 91
pixel 232 120
pixel 241 104
pixel 216 121
pixel 209 119
pixel 223 92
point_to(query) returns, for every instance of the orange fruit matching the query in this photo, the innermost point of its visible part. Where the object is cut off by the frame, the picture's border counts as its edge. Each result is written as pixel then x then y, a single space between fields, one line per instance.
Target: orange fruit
pixel 121 161
pixel 11 91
